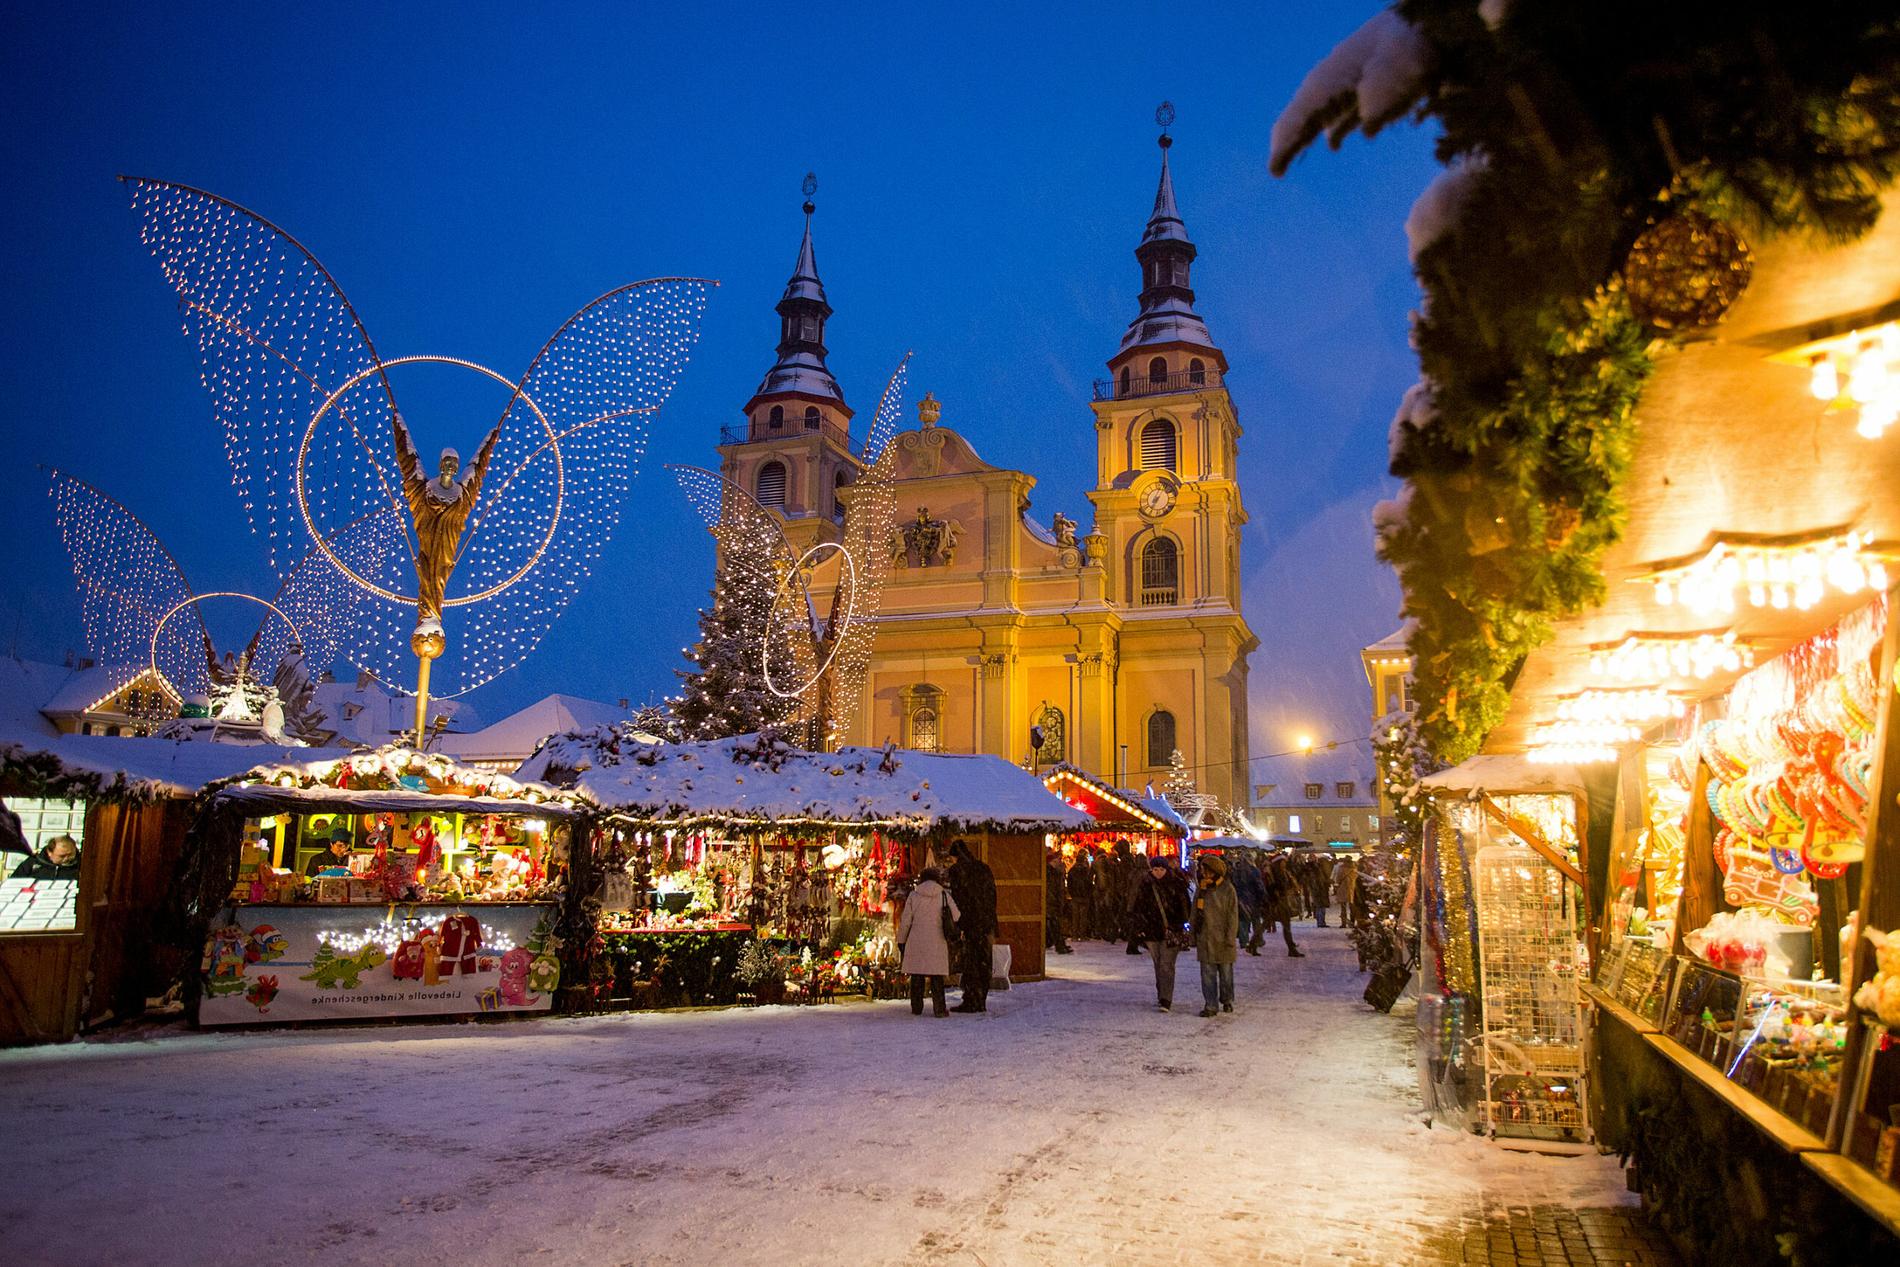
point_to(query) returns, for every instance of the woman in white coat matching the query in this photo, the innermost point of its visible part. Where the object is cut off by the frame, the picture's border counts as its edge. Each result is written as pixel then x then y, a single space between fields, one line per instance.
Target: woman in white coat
pixel 920 934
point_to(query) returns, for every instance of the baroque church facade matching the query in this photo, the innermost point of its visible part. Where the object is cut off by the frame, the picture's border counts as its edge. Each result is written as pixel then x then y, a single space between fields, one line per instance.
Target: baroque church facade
pixel 1107 646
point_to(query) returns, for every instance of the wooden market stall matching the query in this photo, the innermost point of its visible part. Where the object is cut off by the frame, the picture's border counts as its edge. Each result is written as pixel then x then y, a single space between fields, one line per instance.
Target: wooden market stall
pixel 810 851
pixel 80 945
pixel 384 884
pixel 1735 694
pixel 1145 822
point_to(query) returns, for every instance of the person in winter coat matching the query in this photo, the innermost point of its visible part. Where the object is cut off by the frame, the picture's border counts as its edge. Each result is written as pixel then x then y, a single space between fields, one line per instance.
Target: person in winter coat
pixel 58 860
pixel 1283 901
pixel 1251 889
pixel 1160 907
pixel 973 885
pixel 1216 925
pixel 1345 887
pixel 1082 895
pixel 920 935
pixel 1318 884
pixel 1055 889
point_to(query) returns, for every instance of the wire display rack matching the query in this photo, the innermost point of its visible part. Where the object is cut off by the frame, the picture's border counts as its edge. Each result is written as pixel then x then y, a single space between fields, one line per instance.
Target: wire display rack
pixel 1532 1033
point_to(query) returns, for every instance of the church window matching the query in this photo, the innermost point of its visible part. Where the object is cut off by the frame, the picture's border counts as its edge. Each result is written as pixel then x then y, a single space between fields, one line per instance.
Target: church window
pixel 1161 743
pixel 1197 372
pixel 1125 380
pixel 923 729
pixel 777 418
pixel 923 717
pixel 1160 573
pixel 1158 447
pixel 1158 370
pixel 771 485
pixel 1055 742
pixel 811 417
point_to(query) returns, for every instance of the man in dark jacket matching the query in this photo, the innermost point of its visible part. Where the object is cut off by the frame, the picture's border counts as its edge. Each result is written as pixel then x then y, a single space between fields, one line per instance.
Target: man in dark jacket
pixel 973 889
pixel 1160 907
pixel 1251 890
pixel 58 860
pixel 1082 895
pixel 1055 890
pixel 1216 921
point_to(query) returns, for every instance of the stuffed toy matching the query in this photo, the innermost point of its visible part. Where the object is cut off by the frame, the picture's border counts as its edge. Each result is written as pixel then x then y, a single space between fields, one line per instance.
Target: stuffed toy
pixel 1881 996
pixel 431 942
pixel 514 978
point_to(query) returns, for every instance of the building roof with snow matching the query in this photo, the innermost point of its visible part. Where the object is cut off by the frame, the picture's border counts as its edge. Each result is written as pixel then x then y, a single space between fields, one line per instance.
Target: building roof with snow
pixel 368 714
pixel 758 780
pixel 515 737
pixel 1112 807
pixel 117 768
pixel 1281 782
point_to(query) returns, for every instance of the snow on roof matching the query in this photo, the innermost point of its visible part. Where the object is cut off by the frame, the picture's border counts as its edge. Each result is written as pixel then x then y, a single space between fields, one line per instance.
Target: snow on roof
pixel 519 733
pixel 84 688
pixel 1150 803
pixel 370 714
pixel 756 779
pixel 25 686
pixel 142 769
pixel 1399 639
pixel 1505 773
pixel 1288 776
pixel 396 778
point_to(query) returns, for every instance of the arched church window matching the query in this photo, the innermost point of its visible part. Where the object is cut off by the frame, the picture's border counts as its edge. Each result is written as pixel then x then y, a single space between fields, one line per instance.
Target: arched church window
pixel 1158 446
pixel 1158 370
pixel 1055 737
pixel 1197 372
pixel 777 418
pixel 811 417
pixel 923 717
pixel 923 729
pixel 1161 743
pixel 771 484
pixel 1160 573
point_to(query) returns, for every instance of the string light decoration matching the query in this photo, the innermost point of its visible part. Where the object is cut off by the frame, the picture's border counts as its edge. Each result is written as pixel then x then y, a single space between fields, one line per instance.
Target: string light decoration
pixel 1646 705
pixel 1790 572
pixel 814 665
pixel 1658 657
pixel 1859 372
pixel 1579 742
pixel 277 340
pixel 138 607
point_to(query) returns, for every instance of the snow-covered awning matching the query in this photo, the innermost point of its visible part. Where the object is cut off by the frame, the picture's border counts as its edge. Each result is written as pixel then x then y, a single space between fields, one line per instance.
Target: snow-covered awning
pixel 1506 774
pixel 135 769
pixel 757 780
pixel 1109 805
pixel 392 779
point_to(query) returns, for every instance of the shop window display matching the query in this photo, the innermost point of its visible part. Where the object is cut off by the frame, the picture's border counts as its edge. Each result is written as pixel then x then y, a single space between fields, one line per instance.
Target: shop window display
pixel 39 891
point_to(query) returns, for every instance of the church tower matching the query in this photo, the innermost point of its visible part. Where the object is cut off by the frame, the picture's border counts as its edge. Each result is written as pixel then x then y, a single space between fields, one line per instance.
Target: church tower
pixel 1168 504
pixel 794 452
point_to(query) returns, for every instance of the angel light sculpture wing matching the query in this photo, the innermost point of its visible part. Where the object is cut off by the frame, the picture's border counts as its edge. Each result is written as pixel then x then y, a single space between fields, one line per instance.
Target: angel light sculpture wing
pixel 315 438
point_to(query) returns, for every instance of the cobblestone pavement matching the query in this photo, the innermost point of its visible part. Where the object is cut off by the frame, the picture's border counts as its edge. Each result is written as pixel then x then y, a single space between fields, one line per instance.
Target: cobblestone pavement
pixel 1073 1124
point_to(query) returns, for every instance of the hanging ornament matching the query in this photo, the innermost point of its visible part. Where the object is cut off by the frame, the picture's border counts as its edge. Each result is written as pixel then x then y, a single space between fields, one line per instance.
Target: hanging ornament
pixel 1685 271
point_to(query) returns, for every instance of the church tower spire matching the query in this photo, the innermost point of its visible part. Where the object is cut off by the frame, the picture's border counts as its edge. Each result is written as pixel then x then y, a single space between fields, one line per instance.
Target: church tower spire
pixel 800 371
pixel 1167 323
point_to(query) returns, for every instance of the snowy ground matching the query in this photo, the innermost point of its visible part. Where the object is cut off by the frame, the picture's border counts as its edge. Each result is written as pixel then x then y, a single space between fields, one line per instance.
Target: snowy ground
pixel 1072 1124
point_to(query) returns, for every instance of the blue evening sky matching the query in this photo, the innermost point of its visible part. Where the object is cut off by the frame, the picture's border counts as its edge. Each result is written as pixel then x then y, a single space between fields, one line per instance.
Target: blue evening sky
pixel 472 174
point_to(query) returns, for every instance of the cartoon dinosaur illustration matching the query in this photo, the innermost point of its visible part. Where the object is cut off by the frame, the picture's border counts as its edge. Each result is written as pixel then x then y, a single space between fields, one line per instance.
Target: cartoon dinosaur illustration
pixel 332 971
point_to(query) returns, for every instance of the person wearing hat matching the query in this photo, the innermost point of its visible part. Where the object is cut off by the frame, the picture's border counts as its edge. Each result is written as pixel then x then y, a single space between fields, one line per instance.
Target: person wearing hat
pixel 1158 917
pixel 973 885
pixel 1216 928
pixel 337 855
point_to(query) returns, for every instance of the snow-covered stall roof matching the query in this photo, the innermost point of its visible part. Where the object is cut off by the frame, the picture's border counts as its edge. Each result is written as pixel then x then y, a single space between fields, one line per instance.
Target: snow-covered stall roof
pixel 1505 773
pixel 758 780
pixel 395 779
pixel 137 769
pixel 1107 803
pixel 519 733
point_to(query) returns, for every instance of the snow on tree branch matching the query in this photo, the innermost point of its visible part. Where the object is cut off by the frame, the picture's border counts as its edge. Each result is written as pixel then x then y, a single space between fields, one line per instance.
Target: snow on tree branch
pixel 1416 412
pixel 1371 79
pixel 1437 210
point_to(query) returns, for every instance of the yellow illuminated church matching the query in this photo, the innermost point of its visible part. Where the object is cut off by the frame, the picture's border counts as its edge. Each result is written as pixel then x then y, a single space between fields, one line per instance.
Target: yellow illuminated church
pixel 1113 643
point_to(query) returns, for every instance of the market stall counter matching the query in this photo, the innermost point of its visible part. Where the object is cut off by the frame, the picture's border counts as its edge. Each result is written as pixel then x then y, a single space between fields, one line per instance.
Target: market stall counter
pixel 385 884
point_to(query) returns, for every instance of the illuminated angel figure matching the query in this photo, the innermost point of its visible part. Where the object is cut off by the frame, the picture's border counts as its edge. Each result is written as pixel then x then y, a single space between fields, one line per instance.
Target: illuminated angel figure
pixel 138 609
pixel 816 665
pixel 315 439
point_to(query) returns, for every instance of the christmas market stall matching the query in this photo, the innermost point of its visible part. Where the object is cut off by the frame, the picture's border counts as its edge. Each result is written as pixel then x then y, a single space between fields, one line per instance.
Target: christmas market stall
pixel 1501 900
pixel 382 884
pixel 789 867
pixel 1143 821
pixel 102 823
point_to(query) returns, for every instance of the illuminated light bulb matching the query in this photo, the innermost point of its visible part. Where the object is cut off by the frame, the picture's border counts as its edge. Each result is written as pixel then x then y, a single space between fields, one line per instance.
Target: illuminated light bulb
pixel 1779 568
pixel 1876 575
pixel 1778 596
pixel 1665 593
pixel 1757 595
pixel 1824 381
pixel 1869 376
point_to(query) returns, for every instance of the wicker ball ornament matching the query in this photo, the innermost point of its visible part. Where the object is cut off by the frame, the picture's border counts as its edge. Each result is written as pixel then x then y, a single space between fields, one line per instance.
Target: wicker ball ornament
pixel 1684 273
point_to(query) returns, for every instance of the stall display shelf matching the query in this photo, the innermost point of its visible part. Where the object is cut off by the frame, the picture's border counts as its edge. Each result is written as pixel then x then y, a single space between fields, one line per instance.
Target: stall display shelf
pixel 1623 1015
pixel 1532 1016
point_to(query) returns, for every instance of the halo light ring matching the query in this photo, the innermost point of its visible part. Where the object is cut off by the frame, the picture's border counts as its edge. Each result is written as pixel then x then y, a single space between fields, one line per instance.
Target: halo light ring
pixel 560 478
pixel 159 628
pixel 837 640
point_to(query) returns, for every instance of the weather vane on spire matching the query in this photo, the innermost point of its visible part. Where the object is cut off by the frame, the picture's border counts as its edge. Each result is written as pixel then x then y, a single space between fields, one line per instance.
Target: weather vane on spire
pixel 810 186
pixel 1164 117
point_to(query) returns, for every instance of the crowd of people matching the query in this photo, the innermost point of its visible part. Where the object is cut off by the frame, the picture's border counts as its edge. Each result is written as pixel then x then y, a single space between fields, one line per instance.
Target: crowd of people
pixel 1232 901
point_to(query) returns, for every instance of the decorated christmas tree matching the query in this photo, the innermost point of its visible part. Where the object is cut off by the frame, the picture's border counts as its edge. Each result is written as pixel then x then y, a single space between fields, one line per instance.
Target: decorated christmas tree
pixel 1179 791
pixel 725 693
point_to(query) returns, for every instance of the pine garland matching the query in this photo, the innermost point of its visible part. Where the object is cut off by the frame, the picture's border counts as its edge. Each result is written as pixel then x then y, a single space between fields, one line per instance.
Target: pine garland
pixel 1569 130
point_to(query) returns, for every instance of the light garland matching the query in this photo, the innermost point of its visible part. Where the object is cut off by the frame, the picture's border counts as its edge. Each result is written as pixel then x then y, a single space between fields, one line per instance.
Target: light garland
pixel 1857 371
pixel 391 934
pixel 1579 742
pixel 1620 706
pixel 1778 575
pixel 1653 658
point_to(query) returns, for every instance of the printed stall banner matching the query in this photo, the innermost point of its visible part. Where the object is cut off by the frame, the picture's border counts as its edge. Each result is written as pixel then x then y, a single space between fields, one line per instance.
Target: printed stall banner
pixel 299 963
